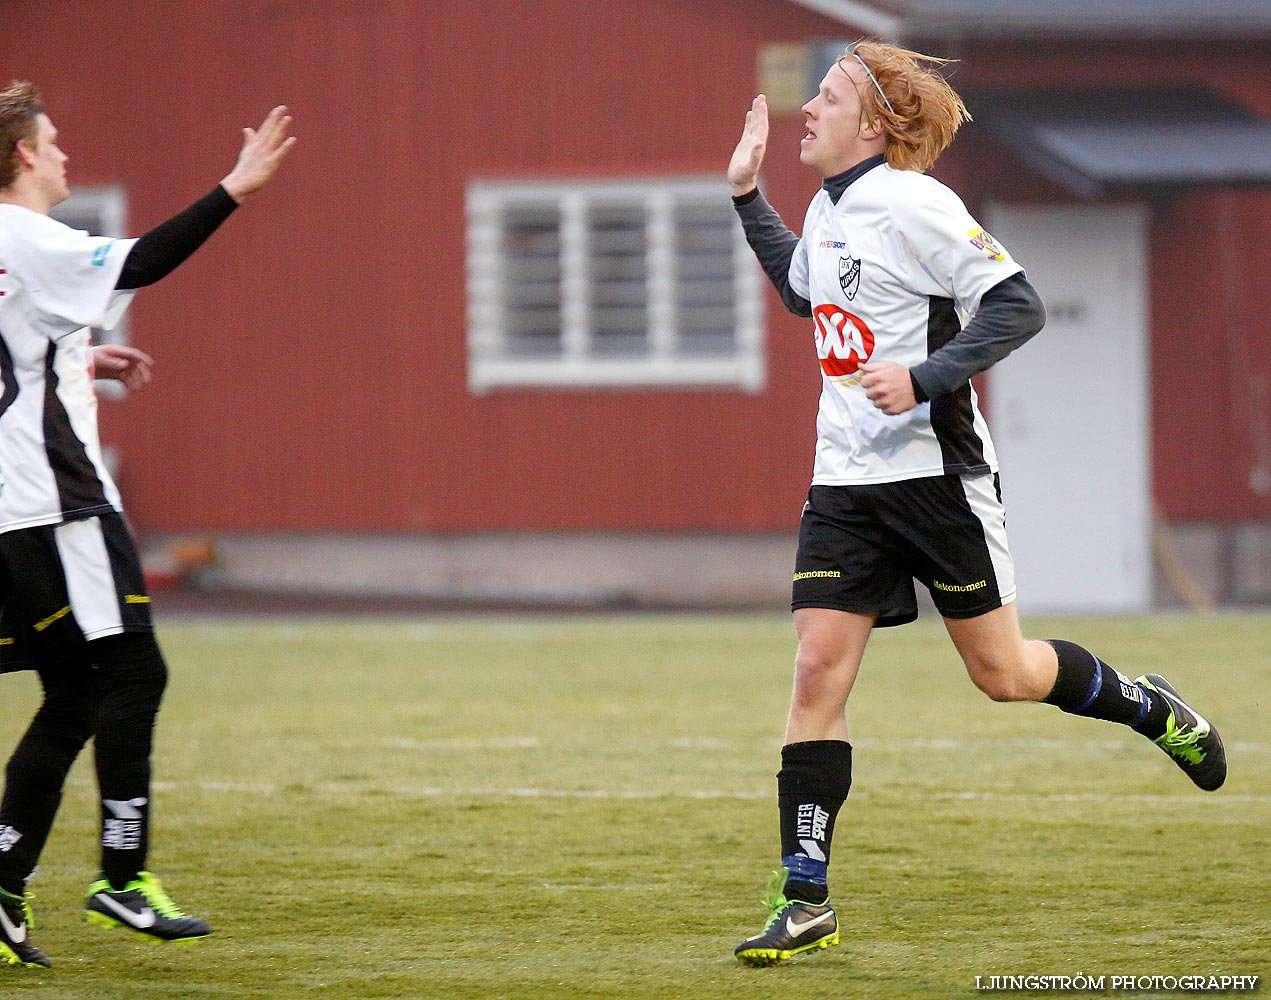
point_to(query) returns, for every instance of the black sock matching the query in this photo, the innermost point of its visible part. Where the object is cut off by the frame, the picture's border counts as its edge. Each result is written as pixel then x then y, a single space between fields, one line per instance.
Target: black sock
pixel 132 677
pixel 812 785
pixel 1088 686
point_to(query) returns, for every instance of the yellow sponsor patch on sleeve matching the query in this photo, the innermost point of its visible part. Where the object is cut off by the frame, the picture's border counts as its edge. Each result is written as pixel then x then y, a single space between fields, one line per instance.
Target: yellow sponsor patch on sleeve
pixel 985 243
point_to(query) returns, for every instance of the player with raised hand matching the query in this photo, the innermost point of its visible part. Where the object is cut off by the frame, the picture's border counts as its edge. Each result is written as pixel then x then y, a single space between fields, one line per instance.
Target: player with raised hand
pixel 743 168
pixel 905 482
pixel 75 607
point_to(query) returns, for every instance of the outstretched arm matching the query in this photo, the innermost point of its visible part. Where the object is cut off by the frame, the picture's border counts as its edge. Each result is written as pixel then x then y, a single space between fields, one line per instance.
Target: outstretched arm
pixel 159 252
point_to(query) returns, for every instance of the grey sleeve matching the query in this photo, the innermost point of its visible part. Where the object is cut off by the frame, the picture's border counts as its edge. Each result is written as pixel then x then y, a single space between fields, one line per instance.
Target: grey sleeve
pixel 1010 313
pixel 774 244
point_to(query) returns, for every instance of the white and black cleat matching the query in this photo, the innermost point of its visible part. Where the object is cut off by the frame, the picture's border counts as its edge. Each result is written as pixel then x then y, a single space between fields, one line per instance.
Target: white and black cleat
pixel 1190 740
pixel 15 933
pixel 144 907
pixel 792 929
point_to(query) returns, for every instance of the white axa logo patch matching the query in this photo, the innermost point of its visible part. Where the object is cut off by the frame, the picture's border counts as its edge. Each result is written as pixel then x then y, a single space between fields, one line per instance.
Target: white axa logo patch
pixel 844 342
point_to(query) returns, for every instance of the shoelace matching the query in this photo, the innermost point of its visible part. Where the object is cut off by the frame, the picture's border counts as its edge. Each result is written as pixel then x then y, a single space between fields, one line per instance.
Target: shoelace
pixel 774 899
pixel 159 901
pixel 1180 739
pixel 1185 743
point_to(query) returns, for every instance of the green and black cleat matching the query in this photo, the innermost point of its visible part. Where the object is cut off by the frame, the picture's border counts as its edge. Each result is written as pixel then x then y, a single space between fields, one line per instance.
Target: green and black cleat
pixel 1189 739
pixel 144 907
pixel 793 927
pixel 16 923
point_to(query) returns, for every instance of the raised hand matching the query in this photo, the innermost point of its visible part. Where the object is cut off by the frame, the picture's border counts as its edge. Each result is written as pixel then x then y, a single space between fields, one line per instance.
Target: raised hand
pixel 263 150
pixel 743 168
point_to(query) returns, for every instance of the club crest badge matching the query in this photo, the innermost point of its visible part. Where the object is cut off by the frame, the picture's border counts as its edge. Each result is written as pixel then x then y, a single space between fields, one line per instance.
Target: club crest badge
pixel 849 275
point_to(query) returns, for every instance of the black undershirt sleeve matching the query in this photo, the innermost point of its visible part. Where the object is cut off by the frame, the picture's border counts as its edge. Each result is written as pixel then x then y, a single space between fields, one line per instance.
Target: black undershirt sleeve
pixel 773 243
pixel 159 252
pixel 1010 313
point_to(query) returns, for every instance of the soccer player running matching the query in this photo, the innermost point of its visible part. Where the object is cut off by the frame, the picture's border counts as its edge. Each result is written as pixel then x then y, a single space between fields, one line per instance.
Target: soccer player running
pixel 905 481
pixel 75 607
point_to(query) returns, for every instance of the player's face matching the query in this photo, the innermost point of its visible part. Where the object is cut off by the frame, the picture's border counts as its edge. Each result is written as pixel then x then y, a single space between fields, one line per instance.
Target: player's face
pixel 834 141
pixel 48 167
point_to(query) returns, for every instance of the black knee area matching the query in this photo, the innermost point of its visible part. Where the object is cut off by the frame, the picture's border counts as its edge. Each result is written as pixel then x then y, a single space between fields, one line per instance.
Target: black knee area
pixel 68 712
pixel 61 726
pixel 132 675
pixel 40 769
pixel 37 770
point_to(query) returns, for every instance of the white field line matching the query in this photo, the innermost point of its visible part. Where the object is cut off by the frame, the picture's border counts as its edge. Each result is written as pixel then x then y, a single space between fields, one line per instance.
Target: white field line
pixel 320 631
pixel 446 743
pixel 512 792
pixel 462 743
pixel 514 627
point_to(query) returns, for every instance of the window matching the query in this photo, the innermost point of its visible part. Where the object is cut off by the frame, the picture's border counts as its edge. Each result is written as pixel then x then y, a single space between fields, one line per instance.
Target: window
pixel 641 283
pixel 101 211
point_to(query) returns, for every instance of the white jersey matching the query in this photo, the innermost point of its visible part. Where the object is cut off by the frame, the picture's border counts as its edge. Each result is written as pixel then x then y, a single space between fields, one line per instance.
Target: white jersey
pixel 55 283
pixel 892 271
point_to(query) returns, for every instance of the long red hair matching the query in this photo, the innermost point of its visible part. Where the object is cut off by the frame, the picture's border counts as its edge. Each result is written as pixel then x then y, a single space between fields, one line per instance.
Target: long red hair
pixel 925 111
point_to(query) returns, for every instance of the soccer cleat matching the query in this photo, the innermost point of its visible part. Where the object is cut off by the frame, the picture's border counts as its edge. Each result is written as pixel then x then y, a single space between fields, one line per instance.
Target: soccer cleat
pixel 16 923
pixel 1189 739
pixel 144 907
pixel 793 927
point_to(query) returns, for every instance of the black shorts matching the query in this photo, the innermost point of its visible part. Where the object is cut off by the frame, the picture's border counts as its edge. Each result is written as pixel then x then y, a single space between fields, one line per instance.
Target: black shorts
pixel 62 585
pixel 862 547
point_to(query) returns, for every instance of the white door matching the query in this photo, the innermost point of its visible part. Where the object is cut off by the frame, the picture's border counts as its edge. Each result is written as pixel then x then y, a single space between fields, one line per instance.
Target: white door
pixel 1069 411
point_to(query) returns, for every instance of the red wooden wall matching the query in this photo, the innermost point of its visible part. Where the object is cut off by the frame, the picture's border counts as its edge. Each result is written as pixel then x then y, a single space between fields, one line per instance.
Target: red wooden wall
pixel 312 356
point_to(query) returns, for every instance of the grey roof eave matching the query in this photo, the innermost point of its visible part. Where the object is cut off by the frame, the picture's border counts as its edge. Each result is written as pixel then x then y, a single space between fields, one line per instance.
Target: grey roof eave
pixel 1045 19
pixel 1096 142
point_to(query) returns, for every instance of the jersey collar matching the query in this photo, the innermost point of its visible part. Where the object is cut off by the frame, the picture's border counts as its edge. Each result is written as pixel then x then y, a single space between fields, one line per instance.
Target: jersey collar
pixel 836 185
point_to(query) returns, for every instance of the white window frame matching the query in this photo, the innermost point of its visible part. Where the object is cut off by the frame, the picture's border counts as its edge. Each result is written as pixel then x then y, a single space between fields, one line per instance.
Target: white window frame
pixel 107 207
pixel 490 364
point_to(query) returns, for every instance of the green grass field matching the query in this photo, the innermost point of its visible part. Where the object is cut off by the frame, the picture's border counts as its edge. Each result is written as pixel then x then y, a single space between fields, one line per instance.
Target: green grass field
pixel 557 807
